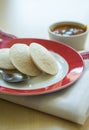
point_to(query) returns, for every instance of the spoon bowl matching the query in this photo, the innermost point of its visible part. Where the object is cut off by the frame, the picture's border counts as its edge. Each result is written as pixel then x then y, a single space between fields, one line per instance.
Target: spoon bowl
pixel 13 77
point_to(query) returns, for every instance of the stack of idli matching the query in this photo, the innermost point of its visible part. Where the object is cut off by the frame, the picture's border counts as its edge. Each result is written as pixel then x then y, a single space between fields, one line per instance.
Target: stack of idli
pixel 30 60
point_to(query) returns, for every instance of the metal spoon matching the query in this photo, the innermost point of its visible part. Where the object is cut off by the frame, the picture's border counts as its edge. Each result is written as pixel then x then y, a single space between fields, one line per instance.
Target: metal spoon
pixel 13 77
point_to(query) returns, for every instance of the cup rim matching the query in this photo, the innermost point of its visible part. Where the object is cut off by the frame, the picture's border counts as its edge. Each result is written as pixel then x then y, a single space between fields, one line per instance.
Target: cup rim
pixel 68 22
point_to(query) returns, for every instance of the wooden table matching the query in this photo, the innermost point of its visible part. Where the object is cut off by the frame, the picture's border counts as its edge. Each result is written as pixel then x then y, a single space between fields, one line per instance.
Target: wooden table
pixel 31 18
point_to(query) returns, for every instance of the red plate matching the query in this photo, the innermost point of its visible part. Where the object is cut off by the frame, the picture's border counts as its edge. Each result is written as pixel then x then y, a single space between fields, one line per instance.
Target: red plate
pixel 73 59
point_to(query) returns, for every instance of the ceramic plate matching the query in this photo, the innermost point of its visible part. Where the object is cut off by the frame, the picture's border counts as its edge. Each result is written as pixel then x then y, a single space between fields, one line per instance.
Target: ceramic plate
pixel 70 65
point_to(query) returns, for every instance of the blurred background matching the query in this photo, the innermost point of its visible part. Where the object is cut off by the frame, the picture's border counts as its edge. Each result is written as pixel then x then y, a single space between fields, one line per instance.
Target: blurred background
pixel 31 18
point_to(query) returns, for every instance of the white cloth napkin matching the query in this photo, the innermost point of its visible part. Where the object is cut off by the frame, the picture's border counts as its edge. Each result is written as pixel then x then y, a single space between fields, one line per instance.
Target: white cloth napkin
pixel 71 103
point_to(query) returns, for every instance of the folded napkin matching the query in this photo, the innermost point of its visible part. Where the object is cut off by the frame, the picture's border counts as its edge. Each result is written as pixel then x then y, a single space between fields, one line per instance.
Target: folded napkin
pixel 71 103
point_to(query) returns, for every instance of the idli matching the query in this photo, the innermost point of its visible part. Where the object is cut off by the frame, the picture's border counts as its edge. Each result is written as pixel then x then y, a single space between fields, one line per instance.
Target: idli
pixel 5 62
pixel 21 59
pixel 43 58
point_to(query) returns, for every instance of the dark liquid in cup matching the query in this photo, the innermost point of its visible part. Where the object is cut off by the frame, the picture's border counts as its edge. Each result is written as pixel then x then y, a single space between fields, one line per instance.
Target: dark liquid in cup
pixel 69 30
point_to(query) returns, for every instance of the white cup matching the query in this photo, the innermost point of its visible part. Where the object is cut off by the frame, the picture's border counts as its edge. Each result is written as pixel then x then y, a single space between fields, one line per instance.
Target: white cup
pixel 76 41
